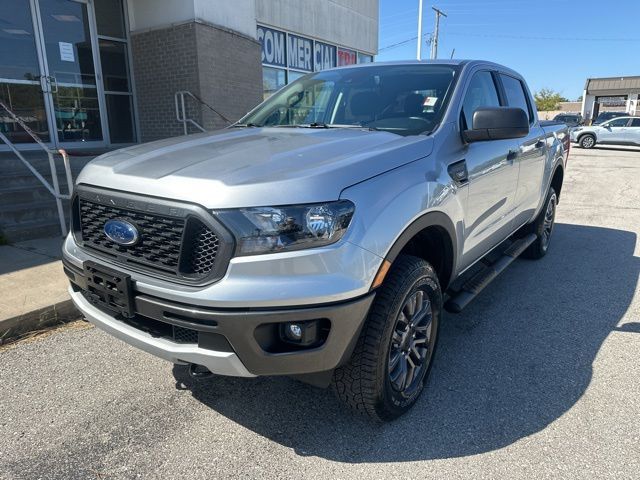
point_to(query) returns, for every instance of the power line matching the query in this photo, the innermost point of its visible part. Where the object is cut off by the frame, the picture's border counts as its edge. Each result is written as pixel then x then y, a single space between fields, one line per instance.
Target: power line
pixel 532 37
pixel 394 45
pixel 517 37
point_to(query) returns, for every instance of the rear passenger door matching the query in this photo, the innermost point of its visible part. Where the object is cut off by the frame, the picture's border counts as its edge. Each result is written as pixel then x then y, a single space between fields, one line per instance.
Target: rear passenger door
pixel 531 152
pixel 492 175
pixel 634 131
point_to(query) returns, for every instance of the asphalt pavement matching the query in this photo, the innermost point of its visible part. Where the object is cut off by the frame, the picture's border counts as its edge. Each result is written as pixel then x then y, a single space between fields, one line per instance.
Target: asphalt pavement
pixel 538 378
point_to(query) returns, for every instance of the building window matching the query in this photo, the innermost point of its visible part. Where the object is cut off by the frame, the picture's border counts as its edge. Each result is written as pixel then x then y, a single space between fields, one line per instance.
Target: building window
pixel 114 60
pixel 287 57
pixel 272 80
pixel 293 76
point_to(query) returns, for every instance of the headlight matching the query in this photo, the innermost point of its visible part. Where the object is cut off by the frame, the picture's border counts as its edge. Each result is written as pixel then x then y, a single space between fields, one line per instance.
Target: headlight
pixel 275 229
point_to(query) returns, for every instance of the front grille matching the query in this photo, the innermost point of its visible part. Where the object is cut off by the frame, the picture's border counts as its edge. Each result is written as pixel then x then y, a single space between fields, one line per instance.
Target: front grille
pixel 160 237
pixel 183 247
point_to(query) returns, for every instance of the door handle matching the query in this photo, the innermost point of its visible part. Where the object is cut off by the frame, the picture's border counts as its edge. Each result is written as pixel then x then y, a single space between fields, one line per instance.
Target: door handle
pixel 512 155
pixel 44 84
pixel 539 144
pixel 53 81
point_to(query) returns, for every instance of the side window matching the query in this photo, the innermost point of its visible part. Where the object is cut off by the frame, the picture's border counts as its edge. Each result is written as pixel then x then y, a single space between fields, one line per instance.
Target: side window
pixel 516 97
pixel 480 93
pixel 635 122
pixel 618 122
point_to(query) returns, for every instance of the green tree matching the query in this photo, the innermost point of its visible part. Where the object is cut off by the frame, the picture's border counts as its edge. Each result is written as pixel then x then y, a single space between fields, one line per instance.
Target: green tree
pixel 547 99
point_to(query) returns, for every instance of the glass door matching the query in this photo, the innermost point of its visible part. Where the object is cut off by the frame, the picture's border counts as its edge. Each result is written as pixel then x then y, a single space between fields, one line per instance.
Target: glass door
pixel 21 77
pixel 72 91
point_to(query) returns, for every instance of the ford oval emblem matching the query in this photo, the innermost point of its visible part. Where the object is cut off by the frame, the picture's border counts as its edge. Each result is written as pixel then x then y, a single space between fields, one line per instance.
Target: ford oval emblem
pixel 121 232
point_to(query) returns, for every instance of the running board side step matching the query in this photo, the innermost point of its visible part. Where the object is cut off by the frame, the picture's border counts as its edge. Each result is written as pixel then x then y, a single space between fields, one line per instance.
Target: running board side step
pixel 472 287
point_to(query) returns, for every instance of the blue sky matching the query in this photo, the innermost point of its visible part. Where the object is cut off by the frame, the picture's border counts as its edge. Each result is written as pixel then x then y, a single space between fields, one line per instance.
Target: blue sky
pixel 552 43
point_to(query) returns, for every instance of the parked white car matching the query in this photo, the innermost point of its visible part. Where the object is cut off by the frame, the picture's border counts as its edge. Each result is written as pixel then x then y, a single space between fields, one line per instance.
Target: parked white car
pixel 619 131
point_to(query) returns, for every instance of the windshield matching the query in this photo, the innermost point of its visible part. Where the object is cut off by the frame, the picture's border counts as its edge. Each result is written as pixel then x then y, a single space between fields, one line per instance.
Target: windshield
pixel 403 99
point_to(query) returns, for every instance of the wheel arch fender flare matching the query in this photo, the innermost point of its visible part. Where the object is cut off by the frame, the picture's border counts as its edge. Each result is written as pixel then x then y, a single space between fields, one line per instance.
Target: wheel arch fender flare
pixel 429 219
pixel 583 134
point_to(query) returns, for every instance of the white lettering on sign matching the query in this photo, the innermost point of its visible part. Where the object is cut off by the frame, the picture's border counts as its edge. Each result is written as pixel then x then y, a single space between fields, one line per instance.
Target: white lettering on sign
pixel 324 56
pixel 273 46
pixel 299 53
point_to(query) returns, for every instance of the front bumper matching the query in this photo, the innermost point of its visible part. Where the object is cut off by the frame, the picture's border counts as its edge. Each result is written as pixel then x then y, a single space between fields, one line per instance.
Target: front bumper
pixel 227 341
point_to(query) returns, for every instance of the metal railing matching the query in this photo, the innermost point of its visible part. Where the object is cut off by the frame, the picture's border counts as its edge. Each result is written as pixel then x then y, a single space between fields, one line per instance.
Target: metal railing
pixel 181 111
pixel 55 188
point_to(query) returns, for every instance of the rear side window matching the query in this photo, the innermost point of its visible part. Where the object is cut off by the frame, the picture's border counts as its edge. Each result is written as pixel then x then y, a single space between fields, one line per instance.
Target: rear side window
pixel 516 97
pixel 480 93
pixel 635 122
pixel 618 122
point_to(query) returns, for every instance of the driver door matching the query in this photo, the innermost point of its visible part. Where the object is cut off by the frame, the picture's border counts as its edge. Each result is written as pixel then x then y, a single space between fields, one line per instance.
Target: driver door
pixel 613 131
pixel 493 177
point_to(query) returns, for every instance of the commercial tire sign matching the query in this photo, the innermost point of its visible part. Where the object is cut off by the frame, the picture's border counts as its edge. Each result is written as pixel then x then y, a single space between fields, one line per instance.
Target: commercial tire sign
pixel 288 50
pixel 299 53
pixel 274 46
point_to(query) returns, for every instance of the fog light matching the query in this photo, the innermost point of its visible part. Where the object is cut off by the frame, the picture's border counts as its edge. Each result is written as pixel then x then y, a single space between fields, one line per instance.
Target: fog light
pixel 300 333
pixel 294 332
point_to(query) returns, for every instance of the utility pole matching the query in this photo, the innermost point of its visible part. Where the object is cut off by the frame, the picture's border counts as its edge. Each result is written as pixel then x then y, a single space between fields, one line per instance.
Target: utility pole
pixel 434 45
pixel 419 52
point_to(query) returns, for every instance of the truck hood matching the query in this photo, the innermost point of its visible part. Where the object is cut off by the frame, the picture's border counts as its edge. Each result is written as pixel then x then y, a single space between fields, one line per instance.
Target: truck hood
pixel 255 166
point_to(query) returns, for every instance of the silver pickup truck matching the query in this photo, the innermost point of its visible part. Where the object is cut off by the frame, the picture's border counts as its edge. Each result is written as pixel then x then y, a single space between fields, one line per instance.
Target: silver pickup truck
pixel 322 235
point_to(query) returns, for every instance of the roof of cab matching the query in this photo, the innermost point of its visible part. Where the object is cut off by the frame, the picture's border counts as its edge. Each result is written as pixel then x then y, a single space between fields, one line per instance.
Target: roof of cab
pixel 452 62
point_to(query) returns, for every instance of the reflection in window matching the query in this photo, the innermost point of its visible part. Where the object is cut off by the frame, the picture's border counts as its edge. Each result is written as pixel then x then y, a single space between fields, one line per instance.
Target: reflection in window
pixel 110 18
pixel 18 57
pixel 77 114
pixel 120 113
pixel 272 80
pixel 293 76
pixel 27 102
pixel 113 58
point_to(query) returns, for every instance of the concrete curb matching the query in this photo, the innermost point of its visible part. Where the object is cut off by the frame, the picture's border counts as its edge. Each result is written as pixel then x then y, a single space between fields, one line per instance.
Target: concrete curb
pixel 55 314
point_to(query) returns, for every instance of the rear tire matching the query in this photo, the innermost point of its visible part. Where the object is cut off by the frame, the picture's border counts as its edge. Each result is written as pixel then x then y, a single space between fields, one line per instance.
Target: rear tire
pixel 543 227
pixel 587 141
pixel 393 357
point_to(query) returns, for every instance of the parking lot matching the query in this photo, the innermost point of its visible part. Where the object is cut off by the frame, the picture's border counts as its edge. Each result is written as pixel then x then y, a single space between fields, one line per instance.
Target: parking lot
pixel 538 378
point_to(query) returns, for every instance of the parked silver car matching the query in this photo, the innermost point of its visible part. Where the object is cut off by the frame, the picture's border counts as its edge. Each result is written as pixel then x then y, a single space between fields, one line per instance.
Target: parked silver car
pixel 619 131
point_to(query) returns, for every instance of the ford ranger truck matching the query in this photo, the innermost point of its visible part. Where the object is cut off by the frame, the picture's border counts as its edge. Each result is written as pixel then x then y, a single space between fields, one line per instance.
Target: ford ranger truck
pixel 322 235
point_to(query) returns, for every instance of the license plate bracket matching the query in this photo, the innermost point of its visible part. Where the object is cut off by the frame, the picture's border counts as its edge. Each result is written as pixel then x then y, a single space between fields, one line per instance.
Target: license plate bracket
pixel 109 288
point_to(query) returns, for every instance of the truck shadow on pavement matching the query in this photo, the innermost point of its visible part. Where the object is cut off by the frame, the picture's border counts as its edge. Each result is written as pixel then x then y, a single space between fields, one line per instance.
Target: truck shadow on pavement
pixel 515 360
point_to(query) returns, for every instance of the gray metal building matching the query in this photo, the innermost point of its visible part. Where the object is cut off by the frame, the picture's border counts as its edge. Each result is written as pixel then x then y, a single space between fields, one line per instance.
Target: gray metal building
pixel 610 94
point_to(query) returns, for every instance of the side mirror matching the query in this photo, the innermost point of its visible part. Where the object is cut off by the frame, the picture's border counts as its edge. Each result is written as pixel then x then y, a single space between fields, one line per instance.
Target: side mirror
pixel 497 123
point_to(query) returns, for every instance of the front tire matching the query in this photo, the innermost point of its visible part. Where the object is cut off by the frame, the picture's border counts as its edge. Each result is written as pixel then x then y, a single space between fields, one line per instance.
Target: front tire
pixel 587 141
pixel 543 227
pixel 393 357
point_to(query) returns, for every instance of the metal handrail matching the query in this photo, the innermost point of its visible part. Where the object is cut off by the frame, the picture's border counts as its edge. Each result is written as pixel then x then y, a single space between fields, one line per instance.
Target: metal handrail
pixel 181 111
pixel 55 188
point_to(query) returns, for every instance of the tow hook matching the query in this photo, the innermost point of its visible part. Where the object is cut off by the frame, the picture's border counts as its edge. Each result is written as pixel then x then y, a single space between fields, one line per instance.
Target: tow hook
pixel 198 371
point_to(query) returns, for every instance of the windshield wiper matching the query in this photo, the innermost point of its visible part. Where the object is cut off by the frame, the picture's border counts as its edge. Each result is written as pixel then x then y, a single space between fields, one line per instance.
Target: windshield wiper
pixel 301 125
pixel 361 127
pixel 243 125
pixel 324 125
